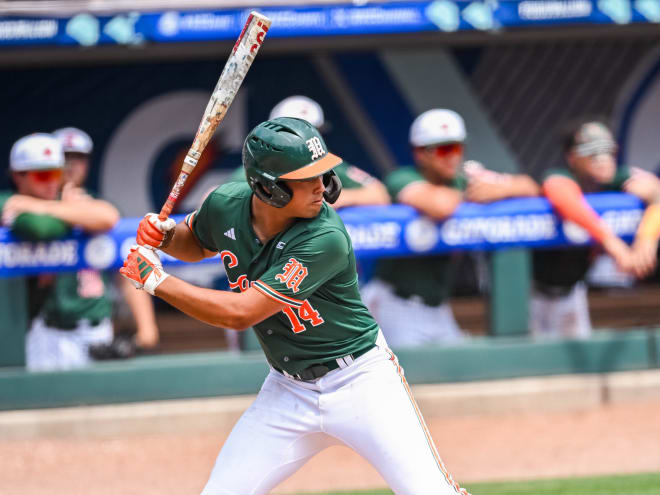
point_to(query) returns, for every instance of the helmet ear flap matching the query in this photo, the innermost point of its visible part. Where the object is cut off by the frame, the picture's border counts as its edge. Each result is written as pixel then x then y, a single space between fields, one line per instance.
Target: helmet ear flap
pixel 281 194
pixel 276 194
pixel 332 185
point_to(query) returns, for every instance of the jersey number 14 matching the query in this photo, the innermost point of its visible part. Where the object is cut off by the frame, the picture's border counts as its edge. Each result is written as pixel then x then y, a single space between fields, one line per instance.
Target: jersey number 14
pixel 305 313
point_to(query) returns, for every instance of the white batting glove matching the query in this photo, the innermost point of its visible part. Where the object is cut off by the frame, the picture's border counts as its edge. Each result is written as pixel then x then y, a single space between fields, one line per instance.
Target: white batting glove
pixel 144 269
pixel 155 232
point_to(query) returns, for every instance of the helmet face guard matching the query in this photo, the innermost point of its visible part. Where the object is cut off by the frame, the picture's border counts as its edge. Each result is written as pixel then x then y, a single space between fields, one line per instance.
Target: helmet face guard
pixel 287 149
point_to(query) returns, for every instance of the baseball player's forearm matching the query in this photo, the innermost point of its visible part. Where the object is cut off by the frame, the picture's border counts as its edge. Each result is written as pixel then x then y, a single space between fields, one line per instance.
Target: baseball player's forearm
pixel 644 185
pixel 224 309
pixel 142 309
pixel 489 186
pixel 566 197
pixel 438 202
pixel 645 246
pixel 93 215
pixel 371 194
pixel 185 247
pixel 649 227
pixel 521 186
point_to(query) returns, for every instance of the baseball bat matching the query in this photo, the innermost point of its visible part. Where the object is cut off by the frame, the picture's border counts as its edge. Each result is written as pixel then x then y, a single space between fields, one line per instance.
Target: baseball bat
pixel 239 61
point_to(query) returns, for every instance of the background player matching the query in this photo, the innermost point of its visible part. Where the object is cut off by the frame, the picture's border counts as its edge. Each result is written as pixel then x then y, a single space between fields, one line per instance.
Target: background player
pixel 559 304
pixel 78 146
pixel 291 266
pixel 358 187
pixel 416 289
pixel 69 311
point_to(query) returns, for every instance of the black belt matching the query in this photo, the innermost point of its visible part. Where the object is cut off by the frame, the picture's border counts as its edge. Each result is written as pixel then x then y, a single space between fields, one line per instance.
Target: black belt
pixel 53 323
pixel 553 290
pixel 316 371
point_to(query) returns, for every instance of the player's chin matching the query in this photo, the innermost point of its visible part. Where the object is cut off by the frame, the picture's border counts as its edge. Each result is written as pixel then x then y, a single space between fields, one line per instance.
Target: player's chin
pixel 312 210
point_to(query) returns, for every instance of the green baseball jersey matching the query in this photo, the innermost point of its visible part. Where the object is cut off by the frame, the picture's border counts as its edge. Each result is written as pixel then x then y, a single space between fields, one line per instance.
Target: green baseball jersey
pixel 621 175
pixel 427 277
pixel 66 298
pixel 77 296
pixel 34 227
pixel 351 176
pixel 558 270
pixel 309 267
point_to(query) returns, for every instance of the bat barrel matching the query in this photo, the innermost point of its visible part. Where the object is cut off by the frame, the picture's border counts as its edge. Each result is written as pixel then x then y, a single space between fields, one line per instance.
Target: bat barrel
pixel 235 70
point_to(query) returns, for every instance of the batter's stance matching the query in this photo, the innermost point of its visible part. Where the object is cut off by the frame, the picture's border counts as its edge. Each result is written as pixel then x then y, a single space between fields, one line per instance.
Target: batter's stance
pixel 291 266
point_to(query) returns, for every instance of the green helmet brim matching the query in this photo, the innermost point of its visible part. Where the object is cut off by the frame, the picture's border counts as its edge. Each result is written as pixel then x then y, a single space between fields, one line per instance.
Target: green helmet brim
pixel 314 169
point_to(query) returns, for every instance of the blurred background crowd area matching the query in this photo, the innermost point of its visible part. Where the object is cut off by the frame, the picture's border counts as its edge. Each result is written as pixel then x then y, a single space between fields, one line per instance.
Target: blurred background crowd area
pixel 136 79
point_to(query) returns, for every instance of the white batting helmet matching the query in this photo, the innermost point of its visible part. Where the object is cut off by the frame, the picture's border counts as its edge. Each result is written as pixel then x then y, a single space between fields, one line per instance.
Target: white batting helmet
pixel 300 107
pixel 37 151
pixel 74 140
pixel 437 126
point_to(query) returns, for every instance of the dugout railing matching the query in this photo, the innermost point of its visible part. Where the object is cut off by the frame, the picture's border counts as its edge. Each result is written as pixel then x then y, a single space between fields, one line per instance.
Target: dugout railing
pixel 376 231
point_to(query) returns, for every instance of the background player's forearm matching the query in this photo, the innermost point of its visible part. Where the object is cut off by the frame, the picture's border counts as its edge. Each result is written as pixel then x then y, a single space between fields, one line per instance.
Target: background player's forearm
pixel 566 197
pixel 93 215
pixel 438 202
pixel 371 194
pixel 216 307
pixel 521 185
pixel 142 309
pixel 89 214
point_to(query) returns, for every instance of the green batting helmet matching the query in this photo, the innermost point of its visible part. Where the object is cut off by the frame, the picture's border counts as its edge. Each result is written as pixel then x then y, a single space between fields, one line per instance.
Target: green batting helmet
pixel 284 149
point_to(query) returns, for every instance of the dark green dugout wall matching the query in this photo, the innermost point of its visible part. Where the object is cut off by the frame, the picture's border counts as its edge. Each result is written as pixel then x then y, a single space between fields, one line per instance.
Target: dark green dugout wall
pixel 13 321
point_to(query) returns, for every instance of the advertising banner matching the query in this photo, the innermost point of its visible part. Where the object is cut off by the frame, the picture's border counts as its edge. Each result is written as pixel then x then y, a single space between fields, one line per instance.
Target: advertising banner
pixel 377 231
pixel 337 20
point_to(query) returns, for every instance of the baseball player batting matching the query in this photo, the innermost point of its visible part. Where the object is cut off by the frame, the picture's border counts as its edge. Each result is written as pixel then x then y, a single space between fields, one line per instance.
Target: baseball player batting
pixel 291 269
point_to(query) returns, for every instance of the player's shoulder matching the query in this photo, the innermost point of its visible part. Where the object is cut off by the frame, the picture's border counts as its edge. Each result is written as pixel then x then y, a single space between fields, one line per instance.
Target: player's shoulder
pixel 561 171
pixel 458 182
pixel 405 172
pixel 400 178
pixel 229 193
pixel 4 196
pixel 622 174
pixel 325 232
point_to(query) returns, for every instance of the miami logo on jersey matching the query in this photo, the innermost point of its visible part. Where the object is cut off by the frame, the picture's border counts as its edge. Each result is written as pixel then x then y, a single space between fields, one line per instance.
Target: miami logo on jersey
pixel 294 273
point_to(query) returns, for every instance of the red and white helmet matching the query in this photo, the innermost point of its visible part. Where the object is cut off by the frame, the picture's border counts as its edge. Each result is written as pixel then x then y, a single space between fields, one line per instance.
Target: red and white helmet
pixel 74 140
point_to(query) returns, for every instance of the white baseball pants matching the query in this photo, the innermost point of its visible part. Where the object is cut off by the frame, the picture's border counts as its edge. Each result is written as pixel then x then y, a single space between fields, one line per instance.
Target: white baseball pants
pixel 49 349
pixel 562 316
pixel 366 406
pixel 409 322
